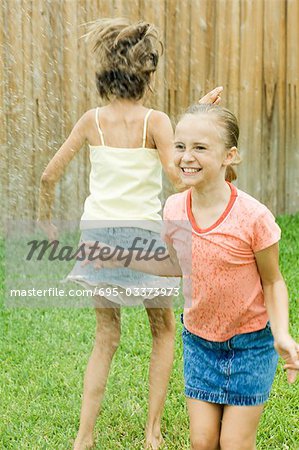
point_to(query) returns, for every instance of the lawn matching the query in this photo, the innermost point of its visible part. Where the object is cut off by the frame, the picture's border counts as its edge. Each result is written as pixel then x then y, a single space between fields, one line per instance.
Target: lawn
pixel 44 353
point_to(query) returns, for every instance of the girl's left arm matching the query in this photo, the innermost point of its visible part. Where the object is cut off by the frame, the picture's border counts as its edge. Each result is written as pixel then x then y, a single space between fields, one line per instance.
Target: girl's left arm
pixel 163 137
pixel 276 301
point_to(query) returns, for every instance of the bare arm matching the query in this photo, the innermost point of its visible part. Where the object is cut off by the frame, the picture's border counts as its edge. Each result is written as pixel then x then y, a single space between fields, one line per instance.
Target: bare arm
pixel 168 267
pixel 276 301
pixel 163 137
pixel 58 164
pixel 164 263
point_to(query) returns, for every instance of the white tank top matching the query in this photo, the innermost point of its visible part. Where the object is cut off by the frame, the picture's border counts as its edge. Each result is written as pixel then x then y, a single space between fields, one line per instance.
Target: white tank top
pixel 124 185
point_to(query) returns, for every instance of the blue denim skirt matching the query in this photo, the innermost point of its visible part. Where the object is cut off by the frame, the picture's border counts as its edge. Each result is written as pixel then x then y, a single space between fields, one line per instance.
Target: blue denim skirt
pixel 239 371
pixel 122 285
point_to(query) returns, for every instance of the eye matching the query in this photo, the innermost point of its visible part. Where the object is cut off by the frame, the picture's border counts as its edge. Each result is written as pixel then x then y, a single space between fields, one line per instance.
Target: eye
pixel 179 146
pixel 200 147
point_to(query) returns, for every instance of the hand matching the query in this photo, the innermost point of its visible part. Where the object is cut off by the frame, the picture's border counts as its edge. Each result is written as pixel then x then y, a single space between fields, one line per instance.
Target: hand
pixel 212 97
pixel 288 349
pixel 100 255
pixel 48 228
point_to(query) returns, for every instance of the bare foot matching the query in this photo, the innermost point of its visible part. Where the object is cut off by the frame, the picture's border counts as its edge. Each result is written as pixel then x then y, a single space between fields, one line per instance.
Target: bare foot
pixel 154 441
pixel 83 444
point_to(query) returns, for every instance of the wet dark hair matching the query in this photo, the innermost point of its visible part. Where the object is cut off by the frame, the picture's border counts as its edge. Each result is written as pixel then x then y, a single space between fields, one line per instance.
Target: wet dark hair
pixel 126 56
pixel 230 124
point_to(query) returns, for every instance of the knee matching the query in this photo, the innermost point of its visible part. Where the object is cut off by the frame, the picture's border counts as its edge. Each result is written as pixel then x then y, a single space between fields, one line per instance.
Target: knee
pixel 108 337
pixel 236 443
pixel 204 443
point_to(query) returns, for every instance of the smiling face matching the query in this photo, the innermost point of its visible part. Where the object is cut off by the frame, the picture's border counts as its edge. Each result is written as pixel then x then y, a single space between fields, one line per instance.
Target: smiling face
pixel 200 152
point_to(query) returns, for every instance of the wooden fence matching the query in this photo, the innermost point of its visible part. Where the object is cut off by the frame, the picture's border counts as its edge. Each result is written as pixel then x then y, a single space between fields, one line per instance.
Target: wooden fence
pixel 251 47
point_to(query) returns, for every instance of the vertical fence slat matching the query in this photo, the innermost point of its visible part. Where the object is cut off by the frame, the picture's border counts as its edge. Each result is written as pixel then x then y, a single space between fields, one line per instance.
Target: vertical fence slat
pixel 4 158
pixel 227 53
pixel 69 198
pixel 92 99
pixel 250 109
pixel 181 63
pixel 171 36
pixel 160 89
pixel 292 106
pixel 17 182
pixel 3 51
pixel 273 144
pixel 46 94
pixel 92 13
pixel 28 110
pixel 281 113
pixel 202 48
pixel 82 159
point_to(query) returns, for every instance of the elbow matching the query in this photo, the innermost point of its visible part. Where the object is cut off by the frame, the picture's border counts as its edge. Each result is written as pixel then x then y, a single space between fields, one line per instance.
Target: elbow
pixel 47 179
pixel 272 281
pixel 270 287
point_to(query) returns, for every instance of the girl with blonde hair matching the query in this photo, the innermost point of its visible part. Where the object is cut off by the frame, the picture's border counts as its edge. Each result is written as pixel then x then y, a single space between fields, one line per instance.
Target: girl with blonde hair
pixel 235 320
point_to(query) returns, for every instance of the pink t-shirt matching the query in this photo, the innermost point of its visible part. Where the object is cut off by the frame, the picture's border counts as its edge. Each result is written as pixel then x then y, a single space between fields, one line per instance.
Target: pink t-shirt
pixel 221 284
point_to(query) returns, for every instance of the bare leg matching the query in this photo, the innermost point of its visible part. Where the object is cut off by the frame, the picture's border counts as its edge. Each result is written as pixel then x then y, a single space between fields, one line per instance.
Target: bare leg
pixel 239 427
pixel 162 323
pixel 106 342
pixel 205 424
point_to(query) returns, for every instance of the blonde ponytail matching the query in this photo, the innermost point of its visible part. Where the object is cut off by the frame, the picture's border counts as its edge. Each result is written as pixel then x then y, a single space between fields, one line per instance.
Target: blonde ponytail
pixel 230 172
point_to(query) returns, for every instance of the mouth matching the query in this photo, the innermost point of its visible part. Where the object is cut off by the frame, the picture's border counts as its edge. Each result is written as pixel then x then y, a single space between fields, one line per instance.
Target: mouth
pixel 189 171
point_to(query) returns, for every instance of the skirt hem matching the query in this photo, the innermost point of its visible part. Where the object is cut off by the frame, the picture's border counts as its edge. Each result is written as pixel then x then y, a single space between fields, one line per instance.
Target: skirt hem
pixel 123 297
pixel 223 398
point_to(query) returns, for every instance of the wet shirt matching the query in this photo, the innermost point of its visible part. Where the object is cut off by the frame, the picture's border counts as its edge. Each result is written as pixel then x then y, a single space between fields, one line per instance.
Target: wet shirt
pixel 222 287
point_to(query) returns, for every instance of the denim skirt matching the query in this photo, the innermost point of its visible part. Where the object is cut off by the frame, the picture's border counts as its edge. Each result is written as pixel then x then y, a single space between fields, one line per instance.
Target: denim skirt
pixel 122 285
pixel 239 371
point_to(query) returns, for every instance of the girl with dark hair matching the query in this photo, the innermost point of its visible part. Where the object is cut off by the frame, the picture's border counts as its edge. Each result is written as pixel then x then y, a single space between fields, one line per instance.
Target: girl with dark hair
pixel 129 145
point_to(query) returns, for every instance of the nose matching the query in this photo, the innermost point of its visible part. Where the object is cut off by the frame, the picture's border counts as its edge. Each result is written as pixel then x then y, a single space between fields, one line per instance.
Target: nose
pixel 188 157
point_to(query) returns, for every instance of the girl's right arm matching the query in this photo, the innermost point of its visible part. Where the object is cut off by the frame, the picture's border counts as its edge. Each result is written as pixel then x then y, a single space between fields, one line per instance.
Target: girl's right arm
pixel 57 166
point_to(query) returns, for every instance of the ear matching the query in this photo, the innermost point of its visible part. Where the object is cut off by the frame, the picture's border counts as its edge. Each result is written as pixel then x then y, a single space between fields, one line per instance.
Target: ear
pixel 230 156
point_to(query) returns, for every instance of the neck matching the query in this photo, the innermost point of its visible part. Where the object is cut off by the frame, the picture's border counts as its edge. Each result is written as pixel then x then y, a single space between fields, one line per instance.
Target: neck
pixel 211 195
pixel 124 103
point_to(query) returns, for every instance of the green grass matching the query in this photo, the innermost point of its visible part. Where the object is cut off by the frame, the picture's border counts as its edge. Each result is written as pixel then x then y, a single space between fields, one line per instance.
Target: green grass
pixel 44 354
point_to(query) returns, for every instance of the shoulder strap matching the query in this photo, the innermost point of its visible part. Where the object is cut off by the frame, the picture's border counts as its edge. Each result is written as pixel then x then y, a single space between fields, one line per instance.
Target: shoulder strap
pixel 145 127
pixel 98 127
